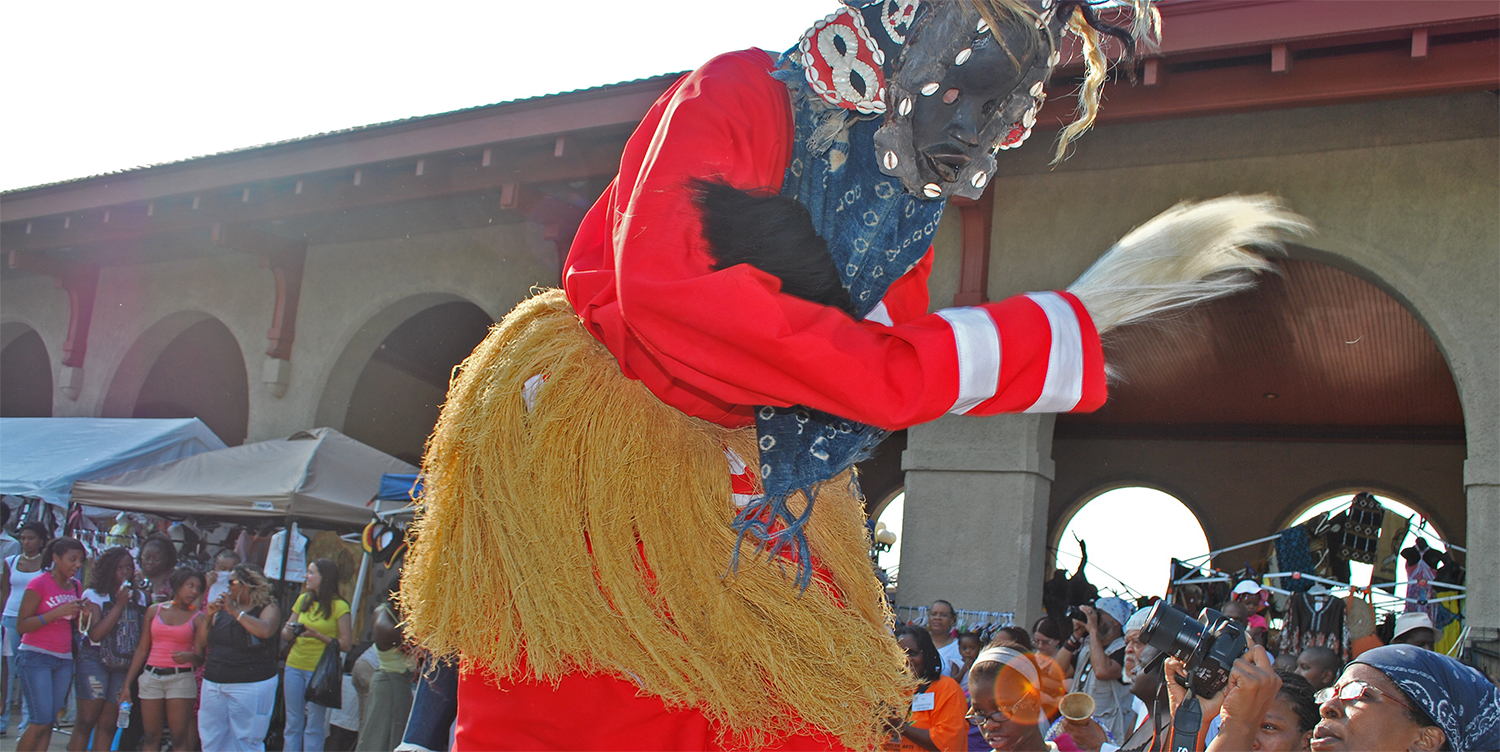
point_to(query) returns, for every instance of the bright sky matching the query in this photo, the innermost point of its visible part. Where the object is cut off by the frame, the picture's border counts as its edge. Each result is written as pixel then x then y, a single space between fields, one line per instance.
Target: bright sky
pixel 1132 535
pixel 98 87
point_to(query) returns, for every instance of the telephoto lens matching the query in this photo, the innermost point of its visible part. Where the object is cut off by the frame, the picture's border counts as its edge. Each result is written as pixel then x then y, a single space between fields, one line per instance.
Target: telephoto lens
pixel 1207 651
pixel 1172 631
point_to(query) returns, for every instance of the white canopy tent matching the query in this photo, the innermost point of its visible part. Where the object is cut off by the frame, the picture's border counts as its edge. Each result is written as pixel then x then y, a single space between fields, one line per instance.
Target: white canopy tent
pixel 319 475
pixel 42 457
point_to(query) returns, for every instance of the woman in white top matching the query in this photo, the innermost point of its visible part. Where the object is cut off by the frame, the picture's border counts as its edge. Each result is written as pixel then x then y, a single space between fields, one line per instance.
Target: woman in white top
pixel 16 572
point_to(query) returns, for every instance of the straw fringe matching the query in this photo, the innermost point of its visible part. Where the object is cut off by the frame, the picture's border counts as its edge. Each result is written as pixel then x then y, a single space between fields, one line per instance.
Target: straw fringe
pixel 592 534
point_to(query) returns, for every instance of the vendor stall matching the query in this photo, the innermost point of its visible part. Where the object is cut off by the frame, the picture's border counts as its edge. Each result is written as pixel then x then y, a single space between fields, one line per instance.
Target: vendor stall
pixel 311 476
pixel 1338 579
pixel 42 457
pixel 269 491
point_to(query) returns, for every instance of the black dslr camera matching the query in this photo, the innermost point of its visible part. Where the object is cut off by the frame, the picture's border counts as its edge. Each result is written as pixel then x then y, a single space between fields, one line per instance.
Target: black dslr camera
pixel 1207 649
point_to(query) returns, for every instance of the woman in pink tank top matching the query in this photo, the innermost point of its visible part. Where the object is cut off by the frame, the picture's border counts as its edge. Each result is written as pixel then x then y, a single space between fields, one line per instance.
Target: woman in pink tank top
pixel 164 661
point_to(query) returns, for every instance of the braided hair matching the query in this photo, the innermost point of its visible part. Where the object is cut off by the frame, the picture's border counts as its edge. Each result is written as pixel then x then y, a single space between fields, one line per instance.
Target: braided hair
pixel 1298 693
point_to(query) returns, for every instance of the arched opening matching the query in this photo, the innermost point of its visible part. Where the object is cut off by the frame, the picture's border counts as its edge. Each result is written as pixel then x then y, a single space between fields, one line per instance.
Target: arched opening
pixel 890 514
pixel 400 389
pixel 1401 527
pixel 25 374
pixel 1316 379
pixel 1131 534
pixel 199 374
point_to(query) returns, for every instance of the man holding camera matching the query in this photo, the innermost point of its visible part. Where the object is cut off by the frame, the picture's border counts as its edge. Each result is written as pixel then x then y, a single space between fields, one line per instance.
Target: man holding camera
pixel 1097 648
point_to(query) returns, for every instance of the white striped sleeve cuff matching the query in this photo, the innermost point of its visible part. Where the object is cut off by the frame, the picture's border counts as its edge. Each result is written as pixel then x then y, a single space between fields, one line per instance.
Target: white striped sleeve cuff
pixel 1063 387
pixel 978 343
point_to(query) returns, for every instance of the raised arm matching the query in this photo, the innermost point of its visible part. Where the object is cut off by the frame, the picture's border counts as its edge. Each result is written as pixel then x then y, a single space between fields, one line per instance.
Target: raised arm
pixel 262 626
pixel 103 626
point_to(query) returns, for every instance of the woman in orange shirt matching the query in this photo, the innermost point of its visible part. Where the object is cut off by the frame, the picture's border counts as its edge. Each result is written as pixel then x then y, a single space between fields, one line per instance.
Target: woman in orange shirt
pixel 937 721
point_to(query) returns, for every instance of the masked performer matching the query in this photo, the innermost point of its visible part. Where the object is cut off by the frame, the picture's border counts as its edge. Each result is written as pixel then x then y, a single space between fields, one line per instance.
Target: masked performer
pixel 646 474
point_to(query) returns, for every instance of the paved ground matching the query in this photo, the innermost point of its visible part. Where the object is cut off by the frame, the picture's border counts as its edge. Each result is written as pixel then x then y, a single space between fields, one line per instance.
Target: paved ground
pixel 8 743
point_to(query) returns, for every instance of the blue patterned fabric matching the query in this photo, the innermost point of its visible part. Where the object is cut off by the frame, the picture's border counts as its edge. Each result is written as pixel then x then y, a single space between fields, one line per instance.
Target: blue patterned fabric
pixel 1293 555
pixel 1456 697
pixel 876 232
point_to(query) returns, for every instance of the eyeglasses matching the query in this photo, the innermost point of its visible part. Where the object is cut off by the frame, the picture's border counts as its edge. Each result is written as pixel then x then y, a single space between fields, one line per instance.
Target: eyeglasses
pixel 1002 714
pixel 1356 691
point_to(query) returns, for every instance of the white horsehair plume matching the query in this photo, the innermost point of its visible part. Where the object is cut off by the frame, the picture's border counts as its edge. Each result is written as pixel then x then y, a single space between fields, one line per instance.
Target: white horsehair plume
pixel 1186 255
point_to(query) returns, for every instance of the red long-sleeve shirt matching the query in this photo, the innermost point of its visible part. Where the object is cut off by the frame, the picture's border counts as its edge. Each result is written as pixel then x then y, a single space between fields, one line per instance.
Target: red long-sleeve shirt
pixel 715 343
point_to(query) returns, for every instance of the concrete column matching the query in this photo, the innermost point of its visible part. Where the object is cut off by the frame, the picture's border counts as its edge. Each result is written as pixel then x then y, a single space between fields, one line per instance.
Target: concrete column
pixel 1482 486
pixel 975 526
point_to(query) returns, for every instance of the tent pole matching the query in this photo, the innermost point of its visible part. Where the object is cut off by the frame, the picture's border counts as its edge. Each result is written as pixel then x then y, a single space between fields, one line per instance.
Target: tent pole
pixel 364 571
pixel 286 551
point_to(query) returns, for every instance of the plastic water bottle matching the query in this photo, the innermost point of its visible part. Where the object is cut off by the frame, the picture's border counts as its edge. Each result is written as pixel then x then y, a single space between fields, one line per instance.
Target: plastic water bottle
pixel 122 722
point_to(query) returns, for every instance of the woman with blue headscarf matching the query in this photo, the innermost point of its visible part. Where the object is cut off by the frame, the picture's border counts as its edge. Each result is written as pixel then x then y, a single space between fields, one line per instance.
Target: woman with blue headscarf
pixel 1403 697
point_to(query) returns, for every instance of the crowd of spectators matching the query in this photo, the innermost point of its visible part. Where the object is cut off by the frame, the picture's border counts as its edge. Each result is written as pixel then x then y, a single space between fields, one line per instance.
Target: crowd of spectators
pixel 1012 690
pixel 193 659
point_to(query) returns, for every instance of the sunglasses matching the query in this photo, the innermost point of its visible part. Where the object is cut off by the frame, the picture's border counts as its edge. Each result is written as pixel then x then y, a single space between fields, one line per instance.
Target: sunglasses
pixel 1356 691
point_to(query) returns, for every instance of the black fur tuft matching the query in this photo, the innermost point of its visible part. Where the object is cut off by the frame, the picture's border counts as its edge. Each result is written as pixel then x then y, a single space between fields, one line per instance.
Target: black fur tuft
pixel 773 234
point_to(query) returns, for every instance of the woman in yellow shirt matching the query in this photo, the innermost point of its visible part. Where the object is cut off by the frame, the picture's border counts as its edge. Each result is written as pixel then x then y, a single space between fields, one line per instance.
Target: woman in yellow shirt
pixel 319 617
pixel 937 719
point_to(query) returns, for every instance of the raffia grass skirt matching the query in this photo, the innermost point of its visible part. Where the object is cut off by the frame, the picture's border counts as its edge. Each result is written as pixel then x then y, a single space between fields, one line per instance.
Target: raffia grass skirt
pixel 591 533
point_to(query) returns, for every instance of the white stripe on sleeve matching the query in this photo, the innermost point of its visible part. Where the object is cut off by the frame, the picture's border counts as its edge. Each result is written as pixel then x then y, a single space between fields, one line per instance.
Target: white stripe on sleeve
pixel 880 315
pixel 1063 387
pixel 978 343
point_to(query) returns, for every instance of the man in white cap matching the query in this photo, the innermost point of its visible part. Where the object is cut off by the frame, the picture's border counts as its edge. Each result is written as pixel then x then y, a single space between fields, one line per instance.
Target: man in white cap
pixel 1099 646
pixel 1416 629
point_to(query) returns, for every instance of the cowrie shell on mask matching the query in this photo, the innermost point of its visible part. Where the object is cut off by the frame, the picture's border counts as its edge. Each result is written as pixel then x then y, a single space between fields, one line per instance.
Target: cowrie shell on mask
pixel 905 107
pixel 979 179
pixel 930 89
pixel 982 27
pixel 1029 118
pixel 932 190
pixel 963 56
pixel 889 160
pixel 1054 59
pixel 1036 89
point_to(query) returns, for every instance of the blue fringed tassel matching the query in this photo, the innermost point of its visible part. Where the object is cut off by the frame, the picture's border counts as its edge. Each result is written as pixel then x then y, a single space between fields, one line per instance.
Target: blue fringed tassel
pixel 800 449
pixel 758 520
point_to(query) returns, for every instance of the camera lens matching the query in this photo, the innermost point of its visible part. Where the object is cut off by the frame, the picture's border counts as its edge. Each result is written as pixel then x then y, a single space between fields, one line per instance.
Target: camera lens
pixel 1172 631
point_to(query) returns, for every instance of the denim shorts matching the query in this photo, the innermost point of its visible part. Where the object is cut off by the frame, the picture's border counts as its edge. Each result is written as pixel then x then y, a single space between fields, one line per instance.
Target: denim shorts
pixel 95 682
pixel 44 682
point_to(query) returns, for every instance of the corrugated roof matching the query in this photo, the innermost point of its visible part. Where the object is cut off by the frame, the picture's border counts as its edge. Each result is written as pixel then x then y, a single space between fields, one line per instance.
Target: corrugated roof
pixel 356 129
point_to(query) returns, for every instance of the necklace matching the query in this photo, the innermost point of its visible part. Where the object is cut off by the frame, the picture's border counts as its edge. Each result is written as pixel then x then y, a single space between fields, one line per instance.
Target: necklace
pixel 30 557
